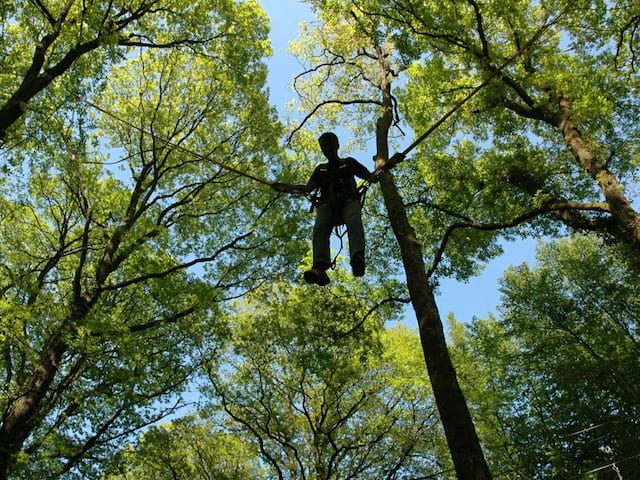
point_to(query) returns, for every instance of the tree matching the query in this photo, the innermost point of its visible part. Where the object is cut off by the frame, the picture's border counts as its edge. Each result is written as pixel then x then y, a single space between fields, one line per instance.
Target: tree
pixel 188 448
pixel 551 138
pixel 550 141
pixel 556 378
pixel 57 46
pixel 119 249
pixel 351 63
pixel 316 385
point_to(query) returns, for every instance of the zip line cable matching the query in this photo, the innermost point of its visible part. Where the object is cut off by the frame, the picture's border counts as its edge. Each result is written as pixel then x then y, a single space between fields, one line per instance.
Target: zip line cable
pixel 176 146
pixel 534 38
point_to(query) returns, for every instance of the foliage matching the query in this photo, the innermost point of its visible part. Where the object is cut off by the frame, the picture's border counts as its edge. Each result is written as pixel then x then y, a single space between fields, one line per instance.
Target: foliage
pixel 119 249
pixel 123 235
pixel 549 143
pixel 555 382
pixel 315 384
pixel 188 447
pixel 63 47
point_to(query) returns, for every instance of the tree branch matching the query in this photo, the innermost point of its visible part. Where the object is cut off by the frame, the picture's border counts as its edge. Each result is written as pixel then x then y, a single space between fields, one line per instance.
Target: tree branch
pixel 45 12
pixel 633 24
pixel 549 207
pixel 153 323
pixel 480 27
pixel 372 310
pixel 182 266
pixel 250 426
pixel 324 104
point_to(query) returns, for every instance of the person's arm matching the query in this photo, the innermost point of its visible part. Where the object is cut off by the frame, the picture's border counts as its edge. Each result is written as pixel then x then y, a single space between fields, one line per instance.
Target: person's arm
pixel 360 170
pixel 310 186
pixel 289 187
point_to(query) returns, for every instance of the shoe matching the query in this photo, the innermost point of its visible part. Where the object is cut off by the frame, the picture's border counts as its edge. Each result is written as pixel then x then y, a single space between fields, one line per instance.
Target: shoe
pixel 358 265
pixel 317 276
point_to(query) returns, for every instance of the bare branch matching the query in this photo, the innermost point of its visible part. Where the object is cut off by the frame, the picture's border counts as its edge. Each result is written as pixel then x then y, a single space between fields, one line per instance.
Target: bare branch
pixel 372 310
pixel 182 266
pixel 534 212
pixel 324 104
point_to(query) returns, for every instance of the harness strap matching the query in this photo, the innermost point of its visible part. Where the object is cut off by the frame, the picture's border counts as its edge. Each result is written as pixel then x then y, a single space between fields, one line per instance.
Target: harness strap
pixel 314 197
pixel 340 235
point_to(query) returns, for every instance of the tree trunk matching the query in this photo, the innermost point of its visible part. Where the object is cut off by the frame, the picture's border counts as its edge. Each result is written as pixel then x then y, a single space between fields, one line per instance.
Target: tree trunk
pixel 23 415
pixel 26 411
pixel 625 217
pixel 460 432
pixel 624 221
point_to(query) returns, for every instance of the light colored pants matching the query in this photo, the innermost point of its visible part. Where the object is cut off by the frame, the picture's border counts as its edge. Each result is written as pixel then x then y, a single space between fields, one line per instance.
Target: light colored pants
pixel 325 216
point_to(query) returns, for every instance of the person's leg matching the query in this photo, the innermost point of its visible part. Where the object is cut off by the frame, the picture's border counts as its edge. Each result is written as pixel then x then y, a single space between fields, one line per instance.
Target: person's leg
pixel 353 220
pixel 321 246
pixel 321 237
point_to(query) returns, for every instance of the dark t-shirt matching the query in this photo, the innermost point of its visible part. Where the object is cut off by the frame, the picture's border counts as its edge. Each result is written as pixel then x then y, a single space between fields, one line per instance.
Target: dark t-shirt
pixel 336 180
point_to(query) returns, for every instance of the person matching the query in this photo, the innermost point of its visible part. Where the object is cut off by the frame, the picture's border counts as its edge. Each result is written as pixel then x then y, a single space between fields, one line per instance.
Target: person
pixel 338 203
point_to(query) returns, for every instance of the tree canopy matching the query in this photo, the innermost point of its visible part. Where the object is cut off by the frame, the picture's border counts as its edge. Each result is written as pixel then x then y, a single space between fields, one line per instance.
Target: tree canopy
pixel 554 380
pixel 118 249
pixel 142 252
pixel 321 390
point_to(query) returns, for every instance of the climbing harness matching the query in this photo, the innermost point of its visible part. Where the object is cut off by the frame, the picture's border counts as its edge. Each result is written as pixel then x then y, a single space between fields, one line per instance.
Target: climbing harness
pixel 339 228
pixel 315 199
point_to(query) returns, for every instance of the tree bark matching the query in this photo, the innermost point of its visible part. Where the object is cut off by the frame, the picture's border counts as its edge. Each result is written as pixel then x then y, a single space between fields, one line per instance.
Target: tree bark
pixel 460 432
pixel 21 417
pixel 35 81
pixel 625 217
pixel 23 414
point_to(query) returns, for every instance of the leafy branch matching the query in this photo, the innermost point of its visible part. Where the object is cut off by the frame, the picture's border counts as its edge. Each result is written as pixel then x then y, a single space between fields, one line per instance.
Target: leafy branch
pixel 545 208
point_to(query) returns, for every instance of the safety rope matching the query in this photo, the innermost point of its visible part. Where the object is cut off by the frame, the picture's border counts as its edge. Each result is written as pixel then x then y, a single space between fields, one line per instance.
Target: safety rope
pixel 534 38
pixel 176 146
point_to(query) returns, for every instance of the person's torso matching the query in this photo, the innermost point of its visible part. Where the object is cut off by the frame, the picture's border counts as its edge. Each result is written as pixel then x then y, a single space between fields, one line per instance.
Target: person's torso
pixel 337 182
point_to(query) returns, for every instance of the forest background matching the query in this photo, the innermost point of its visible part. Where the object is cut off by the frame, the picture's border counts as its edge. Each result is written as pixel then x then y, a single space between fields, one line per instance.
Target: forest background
pixel 481 292
pixel 145 258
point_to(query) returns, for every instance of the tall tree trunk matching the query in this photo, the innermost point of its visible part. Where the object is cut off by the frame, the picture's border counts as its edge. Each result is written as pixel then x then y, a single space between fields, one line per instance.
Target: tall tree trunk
pixel 460 432
pixel 23 415
pixel 626 218
pixel 623 224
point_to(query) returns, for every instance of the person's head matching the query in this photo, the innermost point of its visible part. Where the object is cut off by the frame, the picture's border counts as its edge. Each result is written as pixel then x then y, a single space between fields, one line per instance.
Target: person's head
pixel 329 145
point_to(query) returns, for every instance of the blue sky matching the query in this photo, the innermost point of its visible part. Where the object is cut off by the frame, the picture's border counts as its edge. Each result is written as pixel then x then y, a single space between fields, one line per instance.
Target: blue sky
pixel 480 295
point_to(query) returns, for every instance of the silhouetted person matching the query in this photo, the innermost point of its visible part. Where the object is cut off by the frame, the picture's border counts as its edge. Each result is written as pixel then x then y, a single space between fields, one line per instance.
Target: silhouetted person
pixel 339 203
